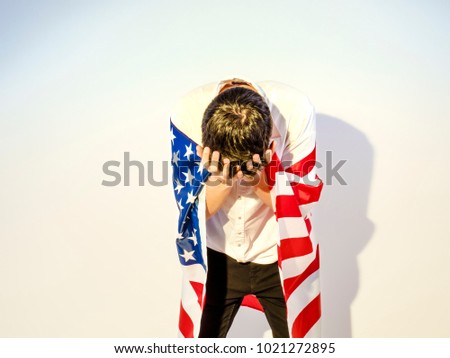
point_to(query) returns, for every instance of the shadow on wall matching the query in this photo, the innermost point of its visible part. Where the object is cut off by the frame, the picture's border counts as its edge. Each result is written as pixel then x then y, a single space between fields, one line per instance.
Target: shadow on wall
pixel 340 224
pixel 340 219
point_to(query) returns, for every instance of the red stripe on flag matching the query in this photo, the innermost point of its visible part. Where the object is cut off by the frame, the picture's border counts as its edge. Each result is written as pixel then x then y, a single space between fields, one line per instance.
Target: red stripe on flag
pixel 287 206
pixel 252 302
pixel 272 169
pixel 291 283
pixel 307 194
pixel 305 165
pixel 198 288
pixel 308 225
pixel 293 247
pixel 185 324
pixel 307 318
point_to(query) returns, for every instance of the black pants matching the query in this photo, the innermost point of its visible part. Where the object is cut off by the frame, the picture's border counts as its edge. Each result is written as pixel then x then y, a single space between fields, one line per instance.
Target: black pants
pixel 228 281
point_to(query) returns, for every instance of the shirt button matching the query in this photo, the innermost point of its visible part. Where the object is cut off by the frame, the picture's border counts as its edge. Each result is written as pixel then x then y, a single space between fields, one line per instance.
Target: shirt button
pixel 240 217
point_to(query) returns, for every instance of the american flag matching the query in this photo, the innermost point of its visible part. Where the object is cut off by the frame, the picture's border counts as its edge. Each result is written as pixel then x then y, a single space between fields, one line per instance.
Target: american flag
pixel 298 253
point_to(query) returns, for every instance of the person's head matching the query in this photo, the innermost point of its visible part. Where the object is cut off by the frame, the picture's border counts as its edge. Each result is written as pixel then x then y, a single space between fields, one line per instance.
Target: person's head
pixel 238 124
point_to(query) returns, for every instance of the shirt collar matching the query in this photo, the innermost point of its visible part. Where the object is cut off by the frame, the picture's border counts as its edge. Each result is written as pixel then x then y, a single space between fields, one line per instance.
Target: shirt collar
pixel 260 91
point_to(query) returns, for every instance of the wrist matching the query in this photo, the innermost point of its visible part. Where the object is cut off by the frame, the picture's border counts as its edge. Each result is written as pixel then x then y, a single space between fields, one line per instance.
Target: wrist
pixel 262 183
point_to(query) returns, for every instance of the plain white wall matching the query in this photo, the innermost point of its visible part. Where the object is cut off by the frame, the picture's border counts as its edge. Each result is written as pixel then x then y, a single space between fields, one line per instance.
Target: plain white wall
pixel 83 82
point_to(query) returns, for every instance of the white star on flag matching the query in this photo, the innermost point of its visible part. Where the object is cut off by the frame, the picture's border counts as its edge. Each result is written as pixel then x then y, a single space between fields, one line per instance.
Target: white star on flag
pixel 193 238
pixel 172 135
pixel 188 176
pixel 189 151
pixel 191 198
pixel 176 158
pixel 188 255
pixel 200 167
pixel 178 187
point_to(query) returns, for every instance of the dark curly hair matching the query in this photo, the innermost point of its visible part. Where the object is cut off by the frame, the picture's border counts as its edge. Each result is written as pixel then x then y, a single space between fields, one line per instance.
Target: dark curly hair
pixel 238 124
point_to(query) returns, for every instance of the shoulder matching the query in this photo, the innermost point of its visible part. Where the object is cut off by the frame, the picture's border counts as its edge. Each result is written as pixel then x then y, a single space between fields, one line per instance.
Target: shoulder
pixel 285 96
pixel 188 111
pixel 291 109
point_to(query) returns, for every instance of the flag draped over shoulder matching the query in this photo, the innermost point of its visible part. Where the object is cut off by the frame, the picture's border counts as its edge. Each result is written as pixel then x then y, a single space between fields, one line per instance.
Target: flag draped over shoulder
pixel 188 181
pixel 293 191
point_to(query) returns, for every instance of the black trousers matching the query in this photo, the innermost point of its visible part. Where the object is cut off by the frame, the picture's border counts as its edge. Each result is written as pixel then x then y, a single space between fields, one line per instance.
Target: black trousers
pixel 228 281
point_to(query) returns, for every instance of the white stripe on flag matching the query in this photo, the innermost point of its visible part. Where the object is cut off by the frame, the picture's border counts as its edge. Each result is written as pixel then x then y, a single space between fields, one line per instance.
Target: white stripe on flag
pixel 282 185
pixel 306 209
pixel 302 296
pixel 294 266
pixel 308 179
pixel 292 227
pixel 194 272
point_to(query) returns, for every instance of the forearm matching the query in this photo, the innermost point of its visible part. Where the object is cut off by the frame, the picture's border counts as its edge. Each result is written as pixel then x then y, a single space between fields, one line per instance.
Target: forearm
pixel 262 189
pixel 215 197
pixel 264 195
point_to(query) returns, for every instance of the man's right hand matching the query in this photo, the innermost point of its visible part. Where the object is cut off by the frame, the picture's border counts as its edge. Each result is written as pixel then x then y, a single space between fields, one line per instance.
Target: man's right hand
pixel 211 163
pixel 218 185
